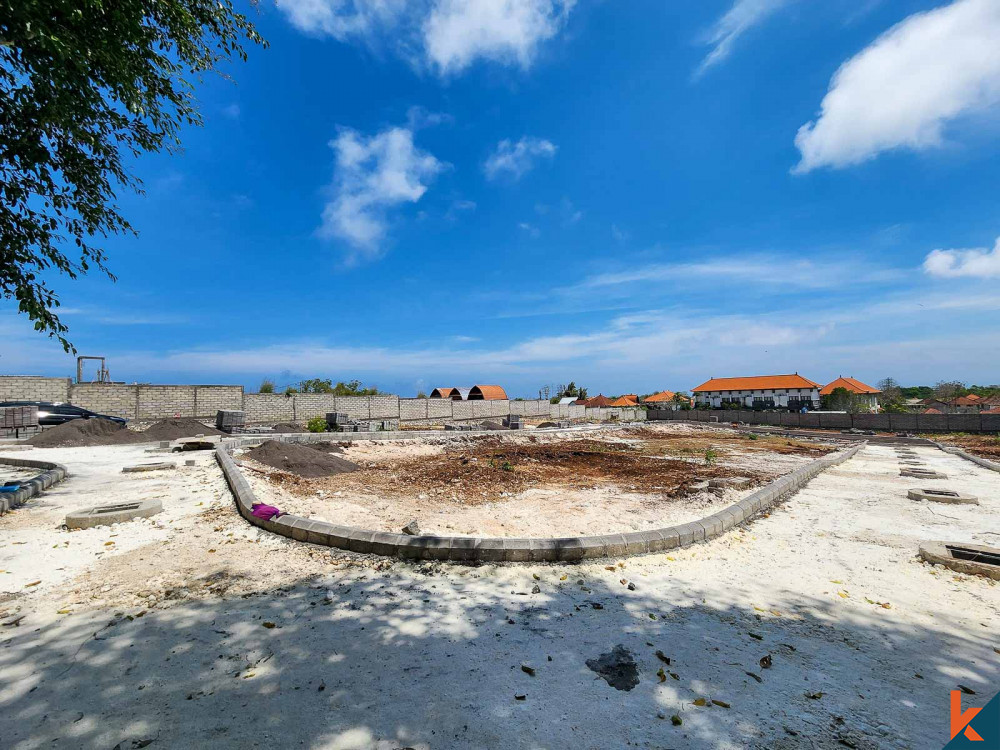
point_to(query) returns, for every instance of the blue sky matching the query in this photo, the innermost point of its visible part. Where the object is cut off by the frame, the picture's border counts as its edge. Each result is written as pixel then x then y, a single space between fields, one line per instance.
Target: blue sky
pixel 630 195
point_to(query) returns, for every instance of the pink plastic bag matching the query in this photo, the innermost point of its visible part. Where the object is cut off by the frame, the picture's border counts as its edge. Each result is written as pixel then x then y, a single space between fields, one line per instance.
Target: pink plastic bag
pixel 267 512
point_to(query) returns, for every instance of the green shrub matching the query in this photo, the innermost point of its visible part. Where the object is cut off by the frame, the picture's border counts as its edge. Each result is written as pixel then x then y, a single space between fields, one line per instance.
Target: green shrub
pixel 752 436
pixel 710 456
pixel 316 424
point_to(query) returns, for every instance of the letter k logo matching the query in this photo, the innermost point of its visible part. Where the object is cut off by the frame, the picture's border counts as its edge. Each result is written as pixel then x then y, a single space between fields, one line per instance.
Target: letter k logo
pixel 960 721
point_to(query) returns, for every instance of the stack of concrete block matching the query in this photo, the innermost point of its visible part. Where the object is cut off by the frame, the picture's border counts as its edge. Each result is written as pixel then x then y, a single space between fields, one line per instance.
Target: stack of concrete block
pixel 230 421
pixel 335 420
pixel 19 416
pixel 513 422
pixel 16 417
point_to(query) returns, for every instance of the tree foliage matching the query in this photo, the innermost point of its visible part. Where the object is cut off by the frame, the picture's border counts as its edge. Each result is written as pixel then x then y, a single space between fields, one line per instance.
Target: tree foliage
pixel 84 86
pixel 342 388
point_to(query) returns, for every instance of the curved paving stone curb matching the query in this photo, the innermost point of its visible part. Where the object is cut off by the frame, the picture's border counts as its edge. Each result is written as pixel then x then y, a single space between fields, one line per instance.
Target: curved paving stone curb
pixel 984 462
pixel 53 474
pixel 506 549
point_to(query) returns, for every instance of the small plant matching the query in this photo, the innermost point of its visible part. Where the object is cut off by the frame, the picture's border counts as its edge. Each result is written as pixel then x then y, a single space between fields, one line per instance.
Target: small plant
pixel 266 386
pixel 316 424
pixel 752 436
pixel 710 456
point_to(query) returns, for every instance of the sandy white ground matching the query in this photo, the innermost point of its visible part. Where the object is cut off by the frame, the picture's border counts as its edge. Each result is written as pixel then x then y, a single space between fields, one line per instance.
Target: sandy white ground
pixel 369 653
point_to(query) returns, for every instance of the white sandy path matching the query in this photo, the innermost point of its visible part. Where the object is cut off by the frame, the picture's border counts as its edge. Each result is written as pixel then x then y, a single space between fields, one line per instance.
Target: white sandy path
pixel 33 544
pixel 424 655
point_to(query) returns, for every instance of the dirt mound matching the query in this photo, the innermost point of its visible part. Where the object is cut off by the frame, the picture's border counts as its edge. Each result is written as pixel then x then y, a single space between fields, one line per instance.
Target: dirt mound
pixel 299 459
pixel 547 424
pixel 172 429
pixel 493 426
pixel 82 432
pixel 288 427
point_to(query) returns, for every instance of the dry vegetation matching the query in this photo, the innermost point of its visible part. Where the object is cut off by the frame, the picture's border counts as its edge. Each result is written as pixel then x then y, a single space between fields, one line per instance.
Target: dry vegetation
pixel 644 460
pixel 984 446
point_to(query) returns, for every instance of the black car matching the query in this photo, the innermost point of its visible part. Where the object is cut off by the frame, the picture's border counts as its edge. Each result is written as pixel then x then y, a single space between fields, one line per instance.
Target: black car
pixel 51 414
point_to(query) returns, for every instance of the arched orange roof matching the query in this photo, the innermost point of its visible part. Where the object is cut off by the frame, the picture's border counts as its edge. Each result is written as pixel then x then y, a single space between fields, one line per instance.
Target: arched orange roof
pixel 443 392
pixel 487 393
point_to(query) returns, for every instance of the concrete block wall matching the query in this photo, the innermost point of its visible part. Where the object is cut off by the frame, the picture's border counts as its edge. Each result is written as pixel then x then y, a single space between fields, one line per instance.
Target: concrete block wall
pixel 164 401
pixel 268 407
pixel 413 409
pixel 440 408
pixel 151 402
pixel 881 422
pixel 106 398
pixel 33 388
pixel 212 398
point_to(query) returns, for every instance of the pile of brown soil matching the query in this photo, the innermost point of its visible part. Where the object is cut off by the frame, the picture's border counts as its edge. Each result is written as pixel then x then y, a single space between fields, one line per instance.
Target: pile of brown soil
pixel 83 432
pixel 547 424
pixel 173 429
pixel 288 427
pixel 481 472
pixel 493 426
pixel 299 459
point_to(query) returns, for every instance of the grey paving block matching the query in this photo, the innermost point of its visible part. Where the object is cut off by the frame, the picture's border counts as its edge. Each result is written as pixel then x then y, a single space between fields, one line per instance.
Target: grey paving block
pixel 569 549
pixel 385 543
pixel 490 550
pixel 360 540
pixel 543 550
pixel 516 550
pixel 636 543
pixel 593 547
pixel 464 549
pixel 615 545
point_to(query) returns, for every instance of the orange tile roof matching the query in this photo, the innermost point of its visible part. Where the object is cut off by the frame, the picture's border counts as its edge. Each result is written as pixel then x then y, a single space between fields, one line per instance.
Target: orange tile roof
pixel 932 411
pixel 991 411
pixel 627 400
pixel 661 396
pixel 756 383
pixel 855 386
pixel 973 397
pixel 599 400
pixel 963 401
pixel 487 392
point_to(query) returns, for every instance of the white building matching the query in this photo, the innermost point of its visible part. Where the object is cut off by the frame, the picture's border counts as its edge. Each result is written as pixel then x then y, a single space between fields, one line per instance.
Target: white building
pixel 760 392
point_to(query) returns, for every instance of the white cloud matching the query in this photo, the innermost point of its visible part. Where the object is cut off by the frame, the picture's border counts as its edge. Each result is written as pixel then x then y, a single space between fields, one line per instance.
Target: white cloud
pixel 343 19
pixel 759 269
pixel 530 229
pixel 514 160
pixel 744 15
pixel 979 262
pixel 373 174
pixel 232 111
pixel 459 32
pixel 446 35
pixel 902 90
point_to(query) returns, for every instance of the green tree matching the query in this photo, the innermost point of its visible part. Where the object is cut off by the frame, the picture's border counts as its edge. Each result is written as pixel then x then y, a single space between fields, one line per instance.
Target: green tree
pixel 84 85
pixel 891 396
pixel 266 386
pixel 316 385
